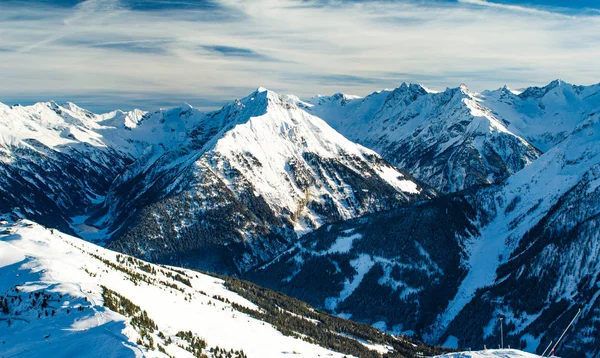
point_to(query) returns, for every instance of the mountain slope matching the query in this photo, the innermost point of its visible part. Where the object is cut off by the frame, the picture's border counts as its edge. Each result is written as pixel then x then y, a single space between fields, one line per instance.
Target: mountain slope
pixel 62 296
pixel 56 161
pixel 548 217
pixel 249 179
pixel 448 139
pixel 525 250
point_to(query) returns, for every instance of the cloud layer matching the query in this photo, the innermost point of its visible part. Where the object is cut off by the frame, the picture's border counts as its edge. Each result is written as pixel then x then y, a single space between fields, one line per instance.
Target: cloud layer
pixel 109 53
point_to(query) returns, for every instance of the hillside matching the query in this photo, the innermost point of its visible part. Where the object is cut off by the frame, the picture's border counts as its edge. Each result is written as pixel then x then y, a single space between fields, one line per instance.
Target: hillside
pixel 446 270
pixel 62 296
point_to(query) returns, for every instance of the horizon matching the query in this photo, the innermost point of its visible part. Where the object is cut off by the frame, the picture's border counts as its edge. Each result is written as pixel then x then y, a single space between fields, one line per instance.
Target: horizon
pixel 90 106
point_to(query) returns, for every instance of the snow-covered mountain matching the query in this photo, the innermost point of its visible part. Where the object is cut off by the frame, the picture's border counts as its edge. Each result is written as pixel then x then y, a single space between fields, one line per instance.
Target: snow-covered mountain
pixel 457 139
pixel 260 169
pixel 244 182
pixel 63 297
pixel 57 161
pixel 525 250
pixel 544 116
pixel 449 140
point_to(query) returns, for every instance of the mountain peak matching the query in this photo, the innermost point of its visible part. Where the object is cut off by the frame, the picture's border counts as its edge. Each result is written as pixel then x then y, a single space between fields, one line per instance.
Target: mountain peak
pixel 338 97
pixel 261 93
pixel 462 89
pixel 71 106
pixel 185 107
pixel 539 92
pixel 557 83
pixel 502 91
pixel 411 87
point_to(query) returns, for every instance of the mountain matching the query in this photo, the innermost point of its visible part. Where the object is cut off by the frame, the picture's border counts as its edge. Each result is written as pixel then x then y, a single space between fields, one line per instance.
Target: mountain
pixel 548 245
pixel 242 184
pixel 446 270
pixel 456 139
pixel 266 190
pixel 260 172
pixel 544 116
pixel 57 161
pixel 63 297
pixel 449 140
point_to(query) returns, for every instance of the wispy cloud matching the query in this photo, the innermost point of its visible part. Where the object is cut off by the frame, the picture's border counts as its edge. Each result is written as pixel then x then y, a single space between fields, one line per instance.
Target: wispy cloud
pixel 222 49
pixel 510 7
pixel 231 51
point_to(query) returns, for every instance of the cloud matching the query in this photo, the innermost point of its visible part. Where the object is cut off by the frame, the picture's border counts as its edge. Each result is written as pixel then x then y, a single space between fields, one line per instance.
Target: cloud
pixel 519 8
pixel 147 46
pixel 223 49
pixel 231 51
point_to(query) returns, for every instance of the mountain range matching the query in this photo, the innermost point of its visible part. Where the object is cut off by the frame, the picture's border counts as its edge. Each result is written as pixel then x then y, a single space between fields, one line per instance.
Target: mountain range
pixel 426 214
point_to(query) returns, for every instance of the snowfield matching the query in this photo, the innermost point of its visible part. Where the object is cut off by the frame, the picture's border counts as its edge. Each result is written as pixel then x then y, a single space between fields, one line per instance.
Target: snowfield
pixel 491 353
pixel 53 284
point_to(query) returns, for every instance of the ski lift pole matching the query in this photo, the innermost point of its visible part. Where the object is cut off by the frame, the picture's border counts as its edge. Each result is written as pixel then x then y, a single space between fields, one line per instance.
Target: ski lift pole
pixel 569 326
pixel 501 333
pixel 546 350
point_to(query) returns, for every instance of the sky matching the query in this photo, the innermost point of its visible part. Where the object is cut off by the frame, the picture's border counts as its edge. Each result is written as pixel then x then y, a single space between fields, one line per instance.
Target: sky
pixel 108 54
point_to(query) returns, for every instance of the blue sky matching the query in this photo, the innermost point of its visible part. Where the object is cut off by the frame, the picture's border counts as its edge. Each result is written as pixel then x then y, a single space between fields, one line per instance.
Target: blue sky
pixel 106 54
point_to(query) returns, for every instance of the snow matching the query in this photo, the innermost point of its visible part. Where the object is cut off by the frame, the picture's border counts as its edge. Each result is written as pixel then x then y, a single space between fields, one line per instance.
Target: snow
pixel 362 265
pixel 392 176
pixel 491 353
pixel 33 258
pixel 343 244
pixel 380 348
pixel 451 342
pixel 10 255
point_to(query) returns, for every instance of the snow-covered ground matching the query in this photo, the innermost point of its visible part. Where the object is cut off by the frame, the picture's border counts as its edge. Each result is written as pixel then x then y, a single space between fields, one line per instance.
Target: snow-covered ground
pixel 490 353
pixel 53 283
